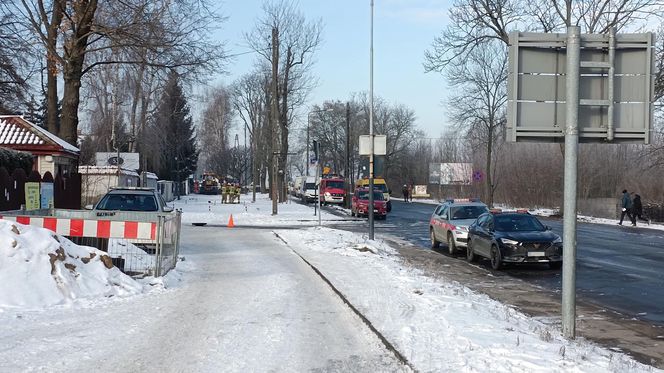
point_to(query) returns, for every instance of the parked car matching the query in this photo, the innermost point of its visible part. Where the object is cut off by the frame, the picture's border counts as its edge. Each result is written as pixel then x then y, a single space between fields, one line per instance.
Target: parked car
pixel 450 220
pixel 360 203
pixel 131 199
pixel 513 237
pixel 380 184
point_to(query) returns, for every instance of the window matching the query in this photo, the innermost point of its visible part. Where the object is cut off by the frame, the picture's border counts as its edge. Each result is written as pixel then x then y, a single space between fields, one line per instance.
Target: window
pixel 468 212
pixel 335 184
pixel 518 223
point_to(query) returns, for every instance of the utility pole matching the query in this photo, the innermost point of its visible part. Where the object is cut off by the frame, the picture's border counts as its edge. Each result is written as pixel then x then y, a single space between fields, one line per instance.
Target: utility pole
pixel 274 125
pixel 573 51
pixel 347 171
pixel 371 134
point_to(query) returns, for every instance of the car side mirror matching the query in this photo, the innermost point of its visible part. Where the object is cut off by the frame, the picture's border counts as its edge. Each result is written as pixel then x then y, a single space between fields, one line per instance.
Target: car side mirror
pixel 88 207
pixel 167 209
pixel 548 228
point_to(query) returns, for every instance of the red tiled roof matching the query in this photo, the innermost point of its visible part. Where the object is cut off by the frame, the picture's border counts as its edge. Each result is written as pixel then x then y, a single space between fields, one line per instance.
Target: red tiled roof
pixel 18 133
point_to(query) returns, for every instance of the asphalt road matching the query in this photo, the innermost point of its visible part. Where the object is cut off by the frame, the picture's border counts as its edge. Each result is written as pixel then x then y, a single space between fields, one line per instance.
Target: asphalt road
pixel 618 267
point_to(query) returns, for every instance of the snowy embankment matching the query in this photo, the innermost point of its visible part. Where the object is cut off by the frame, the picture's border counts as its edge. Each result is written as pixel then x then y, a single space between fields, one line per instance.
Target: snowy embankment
pixel 39 268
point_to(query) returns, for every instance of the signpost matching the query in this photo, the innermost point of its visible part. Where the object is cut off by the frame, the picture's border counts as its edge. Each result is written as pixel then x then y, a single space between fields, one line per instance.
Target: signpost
pixel 579 87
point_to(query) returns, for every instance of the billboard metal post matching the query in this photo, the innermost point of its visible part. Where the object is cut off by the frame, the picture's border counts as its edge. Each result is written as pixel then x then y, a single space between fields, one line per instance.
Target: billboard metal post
pixel 371 134
pixel 571 170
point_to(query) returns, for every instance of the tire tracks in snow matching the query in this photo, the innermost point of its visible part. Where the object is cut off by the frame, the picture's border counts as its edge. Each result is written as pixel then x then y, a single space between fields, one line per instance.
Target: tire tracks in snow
pixel 390 347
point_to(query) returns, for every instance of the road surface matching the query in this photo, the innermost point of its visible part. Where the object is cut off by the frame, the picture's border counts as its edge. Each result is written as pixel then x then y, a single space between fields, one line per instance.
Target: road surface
pixel 620 268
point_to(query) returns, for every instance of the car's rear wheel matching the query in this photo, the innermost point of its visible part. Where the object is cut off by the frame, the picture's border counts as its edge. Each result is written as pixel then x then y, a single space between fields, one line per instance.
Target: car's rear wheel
pixel 470 254
pixel 496 258
pixel 451 246
pixel 555 265
pixel 434 242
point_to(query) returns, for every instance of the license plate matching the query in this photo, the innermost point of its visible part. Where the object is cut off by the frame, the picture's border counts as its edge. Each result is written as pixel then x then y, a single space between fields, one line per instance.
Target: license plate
pixel 536 253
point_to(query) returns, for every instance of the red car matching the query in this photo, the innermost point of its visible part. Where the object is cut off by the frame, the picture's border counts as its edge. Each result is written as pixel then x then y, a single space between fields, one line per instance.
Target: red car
pixel 360 203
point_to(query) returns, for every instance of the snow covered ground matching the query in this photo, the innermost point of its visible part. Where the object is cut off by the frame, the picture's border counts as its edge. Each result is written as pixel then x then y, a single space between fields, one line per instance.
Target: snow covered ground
pixel 436 324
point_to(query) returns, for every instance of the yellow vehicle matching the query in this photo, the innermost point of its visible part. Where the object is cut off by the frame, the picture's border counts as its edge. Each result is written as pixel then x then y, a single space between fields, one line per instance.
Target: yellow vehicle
pixel 380 184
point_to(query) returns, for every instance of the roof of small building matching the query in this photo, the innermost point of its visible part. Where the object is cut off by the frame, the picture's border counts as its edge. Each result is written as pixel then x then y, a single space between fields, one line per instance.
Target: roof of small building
pixel 18 133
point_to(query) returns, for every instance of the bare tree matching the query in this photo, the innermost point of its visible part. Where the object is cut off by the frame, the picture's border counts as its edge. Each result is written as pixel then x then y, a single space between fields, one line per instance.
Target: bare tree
pixel 479 110
pixel 250 100
pixel 291 57
pixel 214 131
pixel 165 34
pixel 15 68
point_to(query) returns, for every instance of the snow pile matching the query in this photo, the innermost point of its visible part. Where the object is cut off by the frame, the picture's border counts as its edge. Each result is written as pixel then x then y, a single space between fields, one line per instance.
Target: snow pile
pixel 438 324
pixel 38 268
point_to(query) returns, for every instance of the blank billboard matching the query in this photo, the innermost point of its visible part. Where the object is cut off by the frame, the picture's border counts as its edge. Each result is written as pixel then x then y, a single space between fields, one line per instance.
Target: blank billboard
pixel 450 173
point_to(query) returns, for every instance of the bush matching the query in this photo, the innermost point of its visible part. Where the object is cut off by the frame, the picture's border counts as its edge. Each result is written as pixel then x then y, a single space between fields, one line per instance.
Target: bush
pixel 12 159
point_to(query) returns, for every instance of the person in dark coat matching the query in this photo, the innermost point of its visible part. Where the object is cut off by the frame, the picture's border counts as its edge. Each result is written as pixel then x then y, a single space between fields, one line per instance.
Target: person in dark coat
pixel 638 209
pixel 404 191
pixel 626 207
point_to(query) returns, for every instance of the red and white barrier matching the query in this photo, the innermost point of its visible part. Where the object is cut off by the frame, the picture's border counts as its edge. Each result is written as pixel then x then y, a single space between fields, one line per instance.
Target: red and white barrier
pixel 90 228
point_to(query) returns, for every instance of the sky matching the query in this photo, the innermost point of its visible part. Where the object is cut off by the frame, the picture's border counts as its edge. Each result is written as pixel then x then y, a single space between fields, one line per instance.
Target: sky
pixel 403 30
pixel 50 312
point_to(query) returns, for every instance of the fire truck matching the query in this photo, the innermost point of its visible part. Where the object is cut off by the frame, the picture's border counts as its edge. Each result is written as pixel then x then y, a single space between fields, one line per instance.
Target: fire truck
pixel 332 189
pixel 210 183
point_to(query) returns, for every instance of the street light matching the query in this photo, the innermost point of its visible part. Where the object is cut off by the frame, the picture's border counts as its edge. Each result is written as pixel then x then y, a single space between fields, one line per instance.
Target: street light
pixel 371 134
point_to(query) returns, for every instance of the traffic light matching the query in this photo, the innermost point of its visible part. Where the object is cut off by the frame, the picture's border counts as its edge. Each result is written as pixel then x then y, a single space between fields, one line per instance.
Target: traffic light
pixel 315 150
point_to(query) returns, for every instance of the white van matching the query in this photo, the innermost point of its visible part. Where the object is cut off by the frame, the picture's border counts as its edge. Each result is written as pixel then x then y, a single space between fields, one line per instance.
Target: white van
pixel 309 189
pixel 297 186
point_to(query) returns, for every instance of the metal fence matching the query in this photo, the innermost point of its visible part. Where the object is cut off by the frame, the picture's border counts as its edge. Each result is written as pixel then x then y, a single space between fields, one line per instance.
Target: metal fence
pixel 140 243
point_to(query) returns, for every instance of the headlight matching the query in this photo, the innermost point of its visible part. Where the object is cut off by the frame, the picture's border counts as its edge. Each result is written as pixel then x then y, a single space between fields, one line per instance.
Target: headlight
pixel 463 229
pixel 558 240
pixel 327 194
pixel 507 241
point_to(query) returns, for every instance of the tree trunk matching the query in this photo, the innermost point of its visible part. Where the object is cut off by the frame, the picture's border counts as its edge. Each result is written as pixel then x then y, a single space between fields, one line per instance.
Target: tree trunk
pixel 52 69
pixel 76 46
pixel 138 94
pixel 283 122
pixel 488 186
pixel 274 120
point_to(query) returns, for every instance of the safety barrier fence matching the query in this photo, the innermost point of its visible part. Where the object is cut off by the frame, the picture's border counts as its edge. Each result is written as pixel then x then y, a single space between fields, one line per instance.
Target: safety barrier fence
pixel 140 243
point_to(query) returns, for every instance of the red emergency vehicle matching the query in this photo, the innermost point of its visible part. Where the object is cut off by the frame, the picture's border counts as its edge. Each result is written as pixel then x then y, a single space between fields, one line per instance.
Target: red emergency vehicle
pixel 332 190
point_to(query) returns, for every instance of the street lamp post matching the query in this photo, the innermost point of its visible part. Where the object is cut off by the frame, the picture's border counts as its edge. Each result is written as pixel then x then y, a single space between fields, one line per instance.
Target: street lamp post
pixel 370 211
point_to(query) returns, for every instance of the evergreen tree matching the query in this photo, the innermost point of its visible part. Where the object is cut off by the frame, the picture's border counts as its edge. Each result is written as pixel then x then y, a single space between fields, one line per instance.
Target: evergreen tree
pixel 173 122
pixel 36 112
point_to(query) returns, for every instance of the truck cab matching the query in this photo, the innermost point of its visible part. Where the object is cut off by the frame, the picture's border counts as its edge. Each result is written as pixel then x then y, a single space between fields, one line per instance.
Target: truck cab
pixel 332 190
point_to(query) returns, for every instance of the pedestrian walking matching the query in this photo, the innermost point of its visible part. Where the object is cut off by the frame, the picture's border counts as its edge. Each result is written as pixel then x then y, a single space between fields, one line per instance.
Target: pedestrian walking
pixel 638 209
pixel 404 191
pixel 626 208
pixel 410 192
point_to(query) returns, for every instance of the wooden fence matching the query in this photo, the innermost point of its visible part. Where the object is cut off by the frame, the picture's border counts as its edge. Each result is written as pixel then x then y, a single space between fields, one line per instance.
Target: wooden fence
pixel 34 191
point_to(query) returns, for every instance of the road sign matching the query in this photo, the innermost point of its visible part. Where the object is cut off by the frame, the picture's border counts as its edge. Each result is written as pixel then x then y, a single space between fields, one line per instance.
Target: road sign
pixel 380 145
pixel 616 87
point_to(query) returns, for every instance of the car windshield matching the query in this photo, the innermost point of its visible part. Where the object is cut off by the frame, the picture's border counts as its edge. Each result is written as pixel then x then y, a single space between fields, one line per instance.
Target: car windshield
pixel 128 202
pixel 335 184
pixel 364 194
pixel 310 186
pixel 517 223
pixel 468 212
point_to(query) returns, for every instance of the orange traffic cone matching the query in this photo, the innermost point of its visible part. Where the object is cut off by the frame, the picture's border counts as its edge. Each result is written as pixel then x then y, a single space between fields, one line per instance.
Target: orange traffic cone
pixel 230 222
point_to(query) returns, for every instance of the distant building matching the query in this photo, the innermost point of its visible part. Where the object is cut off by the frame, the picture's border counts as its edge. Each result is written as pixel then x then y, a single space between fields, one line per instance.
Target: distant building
pixel 97 180
pixel 50 152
